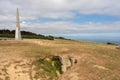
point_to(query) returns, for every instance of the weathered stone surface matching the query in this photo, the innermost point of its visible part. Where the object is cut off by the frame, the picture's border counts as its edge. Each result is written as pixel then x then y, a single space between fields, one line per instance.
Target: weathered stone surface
pixel 67 62
pixel 73 60
pixel 118 47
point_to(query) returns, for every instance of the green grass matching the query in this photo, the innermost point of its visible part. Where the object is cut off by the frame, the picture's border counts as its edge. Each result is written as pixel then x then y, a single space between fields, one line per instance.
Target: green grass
pixel 57 64
pixel 48 70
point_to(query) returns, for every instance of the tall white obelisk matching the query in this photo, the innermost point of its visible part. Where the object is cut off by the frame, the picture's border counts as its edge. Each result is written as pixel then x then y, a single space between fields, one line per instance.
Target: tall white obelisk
pixel 17 32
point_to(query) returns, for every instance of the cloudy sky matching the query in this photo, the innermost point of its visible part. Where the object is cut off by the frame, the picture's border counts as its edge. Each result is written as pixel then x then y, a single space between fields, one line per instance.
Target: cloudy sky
pixel 62 17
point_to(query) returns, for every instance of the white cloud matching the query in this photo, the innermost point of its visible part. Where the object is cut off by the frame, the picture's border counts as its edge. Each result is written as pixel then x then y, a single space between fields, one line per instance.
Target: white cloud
pixel 59 9
pixel 72 28
pixel 83 6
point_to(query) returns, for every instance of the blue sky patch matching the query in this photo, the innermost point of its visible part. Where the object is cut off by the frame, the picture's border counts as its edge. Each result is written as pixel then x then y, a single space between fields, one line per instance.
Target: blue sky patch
pixel 81 18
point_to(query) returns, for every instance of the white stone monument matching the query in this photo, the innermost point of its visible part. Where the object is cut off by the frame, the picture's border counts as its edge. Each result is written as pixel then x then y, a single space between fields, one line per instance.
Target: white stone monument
pixel 17 32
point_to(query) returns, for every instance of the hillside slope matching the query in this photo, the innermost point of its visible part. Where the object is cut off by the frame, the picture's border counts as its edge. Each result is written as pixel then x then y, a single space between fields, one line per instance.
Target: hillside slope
pixel 95 61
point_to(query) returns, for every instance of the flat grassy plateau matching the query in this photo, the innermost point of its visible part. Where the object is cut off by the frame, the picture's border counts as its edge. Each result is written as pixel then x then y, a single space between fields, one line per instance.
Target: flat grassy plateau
pixel 95 61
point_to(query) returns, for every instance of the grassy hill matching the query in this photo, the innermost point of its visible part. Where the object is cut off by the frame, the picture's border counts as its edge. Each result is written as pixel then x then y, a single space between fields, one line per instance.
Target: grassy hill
pixel 95 61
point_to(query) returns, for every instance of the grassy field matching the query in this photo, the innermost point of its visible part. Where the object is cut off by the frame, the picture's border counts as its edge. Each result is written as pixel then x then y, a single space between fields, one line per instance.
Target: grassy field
pixel 95 61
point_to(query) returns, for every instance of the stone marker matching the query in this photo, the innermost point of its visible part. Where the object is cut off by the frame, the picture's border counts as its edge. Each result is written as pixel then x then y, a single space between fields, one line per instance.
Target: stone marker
pixel 67 62
pixel 118 47
pixel 17 32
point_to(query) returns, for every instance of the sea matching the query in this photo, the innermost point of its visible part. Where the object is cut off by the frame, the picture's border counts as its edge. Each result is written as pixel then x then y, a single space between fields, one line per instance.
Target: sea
pixel 97 38
pixel 100 40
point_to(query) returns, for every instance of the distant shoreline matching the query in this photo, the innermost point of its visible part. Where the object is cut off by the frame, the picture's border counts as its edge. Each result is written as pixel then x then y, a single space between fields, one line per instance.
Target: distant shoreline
pixel 100 41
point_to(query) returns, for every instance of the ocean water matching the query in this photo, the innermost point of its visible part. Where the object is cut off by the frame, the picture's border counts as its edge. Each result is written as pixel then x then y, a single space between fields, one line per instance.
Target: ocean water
pixel 98 38
pixel 101 40
pixel 94 37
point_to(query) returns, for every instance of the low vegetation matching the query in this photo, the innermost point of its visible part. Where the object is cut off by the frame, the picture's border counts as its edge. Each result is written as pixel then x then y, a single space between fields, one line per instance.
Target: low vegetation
pixel 109 43
pixel 5 33
pixel 47 68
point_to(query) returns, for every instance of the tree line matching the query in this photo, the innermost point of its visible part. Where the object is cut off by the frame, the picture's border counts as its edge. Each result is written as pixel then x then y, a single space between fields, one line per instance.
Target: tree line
pixel 26 34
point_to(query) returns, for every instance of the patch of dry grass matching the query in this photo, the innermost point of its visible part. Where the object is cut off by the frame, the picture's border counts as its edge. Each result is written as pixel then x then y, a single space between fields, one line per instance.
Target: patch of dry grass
pixel 88 55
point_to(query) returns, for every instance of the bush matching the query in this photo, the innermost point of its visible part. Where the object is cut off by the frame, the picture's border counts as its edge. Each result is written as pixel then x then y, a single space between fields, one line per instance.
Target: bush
pixel 109 43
